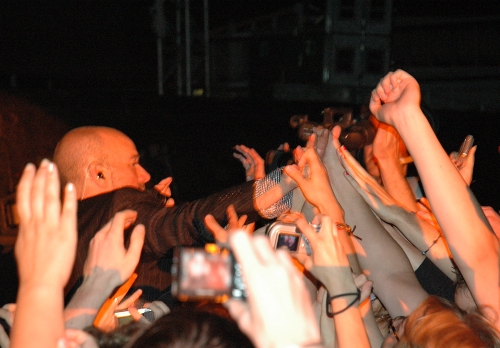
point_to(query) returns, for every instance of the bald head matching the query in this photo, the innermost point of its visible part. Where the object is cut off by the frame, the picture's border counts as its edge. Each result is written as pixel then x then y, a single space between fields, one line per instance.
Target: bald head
pixel 99 158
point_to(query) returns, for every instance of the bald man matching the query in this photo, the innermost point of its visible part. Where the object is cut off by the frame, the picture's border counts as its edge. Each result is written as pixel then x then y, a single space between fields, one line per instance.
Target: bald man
pixel 103 164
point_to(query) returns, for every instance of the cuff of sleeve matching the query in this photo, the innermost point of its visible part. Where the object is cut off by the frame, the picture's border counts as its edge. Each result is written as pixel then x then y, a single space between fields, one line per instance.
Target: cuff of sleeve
pixel 265 184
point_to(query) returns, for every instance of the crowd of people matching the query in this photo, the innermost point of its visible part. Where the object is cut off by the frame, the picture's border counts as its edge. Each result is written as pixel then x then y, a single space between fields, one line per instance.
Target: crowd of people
pixel 384 268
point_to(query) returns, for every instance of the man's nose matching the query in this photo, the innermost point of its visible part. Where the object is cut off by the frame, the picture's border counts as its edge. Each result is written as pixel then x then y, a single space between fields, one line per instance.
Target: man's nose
pixel 143 175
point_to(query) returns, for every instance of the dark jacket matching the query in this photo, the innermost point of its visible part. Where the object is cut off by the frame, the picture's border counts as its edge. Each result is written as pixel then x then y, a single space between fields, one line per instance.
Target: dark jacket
pixel 166 228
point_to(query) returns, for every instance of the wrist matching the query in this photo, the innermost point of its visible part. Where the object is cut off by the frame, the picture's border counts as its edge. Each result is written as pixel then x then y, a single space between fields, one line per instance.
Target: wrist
pixel 340 281
pixel 96 288
pixel 331 207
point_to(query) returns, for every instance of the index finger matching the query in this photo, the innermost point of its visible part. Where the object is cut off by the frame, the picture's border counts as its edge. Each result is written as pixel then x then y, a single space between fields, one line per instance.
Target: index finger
pixel 23 192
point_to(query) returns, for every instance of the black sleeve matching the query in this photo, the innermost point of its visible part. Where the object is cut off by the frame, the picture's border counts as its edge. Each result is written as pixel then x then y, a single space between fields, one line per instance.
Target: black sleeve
pixel 183 224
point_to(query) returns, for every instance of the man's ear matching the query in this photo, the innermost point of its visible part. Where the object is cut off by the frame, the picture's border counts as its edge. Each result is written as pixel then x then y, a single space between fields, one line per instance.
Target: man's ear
pixel 99 175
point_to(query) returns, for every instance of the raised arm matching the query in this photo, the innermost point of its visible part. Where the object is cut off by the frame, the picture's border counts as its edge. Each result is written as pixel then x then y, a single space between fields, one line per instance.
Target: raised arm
pixel 396 101
pixel 386 150
pixel 45 251
pixel 109 264
pixel 380 257
pixel 329 264
pixel 421 234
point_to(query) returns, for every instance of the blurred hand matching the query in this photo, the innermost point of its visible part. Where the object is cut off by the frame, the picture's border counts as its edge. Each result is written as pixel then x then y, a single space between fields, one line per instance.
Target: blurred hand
pixel 278 310
pixel 46 243
pixel 221 234
pixel 252 162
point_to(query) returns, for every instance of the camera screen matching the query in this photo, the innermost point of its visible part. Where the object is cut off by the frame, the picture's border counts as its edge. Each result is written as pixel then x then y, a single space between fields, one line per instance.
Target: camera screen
pixel 288 242
pixel 205 274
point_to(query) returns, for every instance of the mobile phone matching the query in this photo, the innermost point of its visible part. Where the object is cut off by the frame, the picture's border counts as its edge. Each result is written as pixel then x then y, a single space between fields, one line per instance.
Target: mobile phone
pixel 463 152
pixel 287 236
pixel 209 273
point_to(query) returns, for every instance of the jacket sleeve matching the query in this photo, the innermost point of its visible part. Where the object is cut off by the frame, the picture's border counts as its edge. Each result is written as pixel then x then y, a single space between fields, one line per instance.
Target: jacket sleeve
pixel 182 225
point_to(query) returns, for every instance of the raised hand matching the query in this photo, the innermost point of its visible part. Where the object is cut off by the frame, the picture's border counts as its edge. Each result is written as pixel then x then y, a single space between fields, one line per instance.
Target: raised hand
pixel 278 310
pixel 394 94
pixel 45 226
pixel 221 234
pixel 107 251
pixel 252 162
pixel 316 185
pixel 45 251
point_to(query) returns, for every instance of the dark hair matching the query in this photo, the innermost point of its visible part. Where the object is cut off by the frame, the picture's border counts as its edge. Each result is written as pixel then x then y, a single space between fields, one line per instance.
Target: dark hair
pixel 118 337
pixel 188 326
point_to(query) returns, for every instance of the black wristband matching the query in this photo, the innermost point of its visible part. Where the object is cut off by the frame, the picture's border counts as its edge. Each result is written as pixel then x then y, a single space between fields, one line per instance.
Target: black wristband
pixel 331 298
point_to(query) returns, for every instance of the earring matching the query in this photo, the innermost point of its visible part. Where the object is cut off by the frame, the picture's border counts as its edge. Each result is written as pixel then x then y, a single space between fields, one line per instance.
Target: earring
pixel 100 176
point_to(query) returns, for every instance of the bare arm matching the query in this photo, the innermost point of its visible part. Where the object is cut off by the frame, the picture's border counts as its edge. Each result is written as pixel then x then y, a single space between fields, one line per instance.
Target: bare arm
pixel 381 258
pixel 421 234
pixel 386 149
pixel 396 101
pixel 45 224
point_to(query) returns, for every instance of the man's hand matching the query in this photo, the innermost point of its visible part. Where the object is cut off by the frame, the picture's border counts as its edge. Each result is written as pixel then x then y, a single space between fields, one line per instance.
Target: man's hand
pixel 163 187
pixel 251 161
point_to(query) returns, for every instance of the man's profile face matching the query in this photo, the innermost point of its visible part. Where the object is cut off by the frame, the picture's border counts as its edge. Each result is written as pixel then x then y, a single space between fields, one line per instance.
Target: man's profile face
pixel 123 162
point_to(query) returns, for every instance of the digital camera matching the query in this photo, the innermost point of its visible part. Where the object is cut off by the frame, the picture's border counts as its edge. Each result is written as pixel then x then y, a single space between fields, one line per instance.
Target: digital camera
pixel 209 273
pixel 287 236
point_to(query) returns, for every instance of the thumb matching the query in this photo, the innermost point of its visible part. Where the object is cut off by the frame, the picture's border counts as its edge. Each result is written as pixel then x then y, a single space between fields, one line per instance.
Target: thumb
pixel 293 172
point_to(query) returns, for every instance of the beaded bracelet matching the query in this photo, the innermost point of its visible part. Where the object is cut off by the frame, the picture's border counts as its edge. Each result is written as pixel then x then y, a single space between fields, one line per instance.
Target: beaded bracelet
pixel 433 242
pixel 331 298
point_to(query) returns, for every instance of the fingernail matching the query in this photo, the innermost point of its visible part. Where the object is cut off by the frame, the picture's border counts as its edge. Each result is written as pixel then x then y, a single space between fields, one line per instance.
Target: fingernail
pixel 346 173
pixel 70 187
pixel 51 167
pixel 343 148
pixel 61 343
pixel 45 162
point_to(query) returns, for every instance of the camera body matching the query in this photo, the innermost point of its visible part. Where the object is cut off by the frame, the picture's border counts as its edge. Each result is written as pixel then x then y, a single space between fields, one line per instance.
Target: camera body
pixel 209 273
pixel 287 236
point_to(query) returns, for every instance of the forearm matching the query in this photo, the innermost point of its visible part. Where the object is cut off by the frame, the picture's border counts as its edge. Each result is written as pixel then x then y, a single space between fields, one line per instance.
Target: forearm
pixel 427 240
pixel 39 317
pixel 473 246
pixel 395 183
pixel 90 296
pixel 379 255
pixel 344 301
pixel 372 330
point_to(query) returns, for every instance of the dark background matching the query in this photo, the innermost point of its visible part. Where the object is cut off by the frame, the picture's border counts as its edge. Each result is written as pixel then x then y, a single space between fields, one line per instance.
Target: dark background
pixel 69 63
